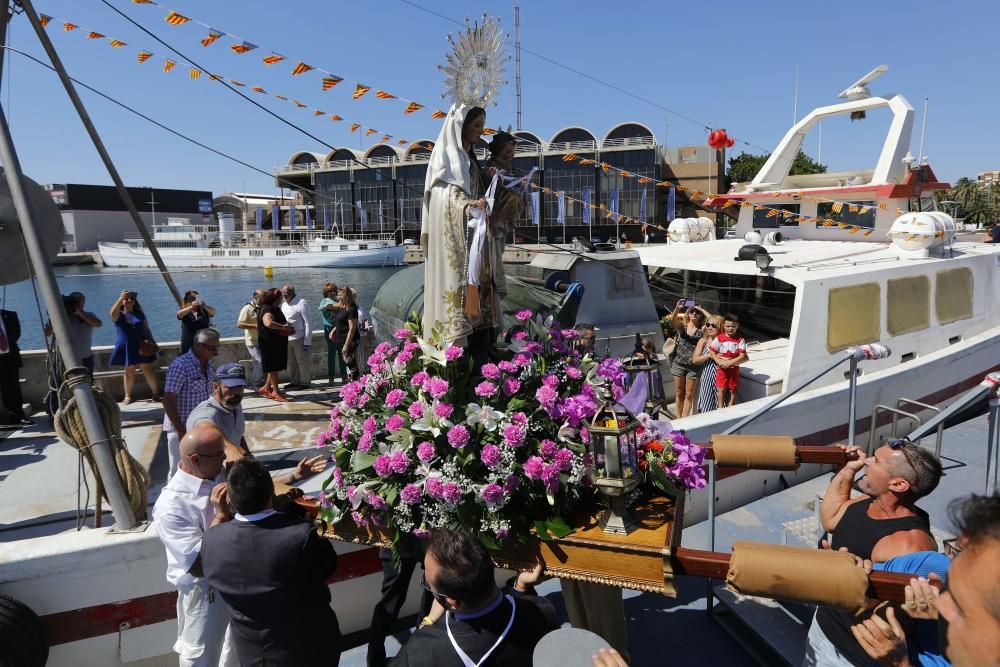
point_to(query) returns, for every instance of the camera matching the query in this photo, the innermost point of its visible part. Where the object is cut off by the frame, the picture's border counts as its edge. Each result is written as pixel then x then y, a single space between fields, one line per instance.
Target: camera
pixel 70 304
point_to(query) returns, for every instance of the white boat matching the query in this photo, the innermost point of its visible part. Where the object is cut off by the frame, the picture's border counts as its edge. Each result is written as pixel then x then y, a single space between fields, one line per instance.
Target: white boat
pixel 182 244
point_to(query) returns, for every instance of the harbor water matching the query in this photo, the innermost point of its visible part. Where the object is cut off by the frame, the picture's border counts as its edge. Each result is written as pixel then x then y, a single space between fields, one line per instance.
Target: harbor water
pixel 226 290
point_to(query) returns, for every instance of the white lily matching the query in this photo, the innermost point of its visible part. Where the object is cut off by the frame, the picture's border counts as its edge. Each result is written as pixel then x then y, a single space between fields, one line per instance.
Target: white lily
pixel 483 414
pixel 361 492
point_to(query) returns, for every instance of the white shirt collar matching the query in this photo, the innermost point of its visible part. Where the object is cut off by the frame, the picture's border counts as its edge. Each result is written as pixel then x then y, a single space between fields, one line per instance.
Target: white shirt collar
pixel 191 483
pixel 257 516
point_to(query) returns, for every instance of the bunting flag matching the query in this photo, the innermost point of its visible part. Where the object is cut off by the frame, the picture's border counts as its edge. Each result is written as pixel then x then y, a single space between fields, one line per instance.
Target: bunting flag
pixel 173 18
pixel 360 90
pixel 243 47
pixel 301 68
pixel 401 142
pixel 488 131
pixel 385 138
pixel 144 56
pixel 213 36
pixel 237 83
pixel 117 43
pixel 168 65
pixel 94 35
pixel 773 212
pixel 299 104
pixel 335 117
pixel 561 208
pixel 852 208
pixel 605 166
pixel 671 204
pixel 413 106
pixel 69 27
pixel 382 95
pixel 370 131
pixel 586 205
pixel 534 208
pixel 194 73
pixel 281 97
pixel 319 113
pixel 44 20
pixel 275 217
pixel 837 207
pixel 214 77
pixel 438 114
pixel 143 2
pixel 259 218
pixel 570 157
pixel 642 206
pixel 258 89
pixel 883 206
pixel 273 58
pixel 330 81
pixel 355 126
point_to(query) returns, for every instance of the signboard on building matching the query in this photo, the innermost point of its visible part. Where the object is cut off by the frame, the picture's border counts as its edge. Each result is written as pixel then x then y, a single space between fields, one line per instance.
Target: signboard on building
pixel 59 197
pixel 204 205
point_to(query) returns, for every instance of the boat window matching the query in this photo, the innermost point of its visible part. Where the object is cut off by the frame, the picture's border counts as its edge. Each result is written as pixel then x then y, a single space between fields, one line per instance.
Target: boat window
pixel 853 315
pixel 256 253
pixel 763 304
pixel 282 253
pixel 362 247
pixel 234 253
pixel 908 304
pixel 770 218
pixel 861 213
pixel 218 253
pixel 953 295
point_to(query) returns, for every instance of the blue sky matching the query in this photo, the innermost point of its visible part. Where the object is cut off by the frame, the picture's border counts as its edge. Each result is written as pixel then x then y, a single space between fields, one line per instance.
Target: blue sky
pixel 731 67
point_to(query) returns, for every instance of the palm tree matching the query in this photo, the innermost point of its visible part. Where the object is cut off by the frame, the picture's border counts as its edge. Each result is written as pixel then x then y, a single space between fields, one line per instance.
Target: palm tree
pixel 977 203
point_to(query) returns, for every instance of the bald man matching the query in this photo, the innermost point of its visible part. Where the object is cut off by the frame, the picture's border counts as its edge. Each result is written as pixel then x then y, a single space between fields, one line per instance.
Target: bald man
pixel 193 501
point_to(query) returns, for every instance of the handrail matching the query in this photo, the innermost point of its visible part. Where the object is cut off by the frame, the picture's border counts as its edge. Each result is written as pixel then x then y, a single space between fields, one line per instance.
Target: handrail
pixel 939 436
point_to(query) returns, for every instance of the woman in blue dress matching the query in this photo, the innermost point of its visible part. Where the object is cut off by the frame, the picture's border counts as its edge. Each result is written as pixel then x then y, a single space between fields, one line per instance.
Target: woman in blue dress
pixel 132 329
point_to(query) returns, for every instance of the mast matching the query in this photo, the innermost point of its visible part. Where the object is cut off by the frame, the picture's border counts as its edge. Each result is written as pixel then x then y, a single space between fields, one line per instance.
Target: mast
pixel 517 60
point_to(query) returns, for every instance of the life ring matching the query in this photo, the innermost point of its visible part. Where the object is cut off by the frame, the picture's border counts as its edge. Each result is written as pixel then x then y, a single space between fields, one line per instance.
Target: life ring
pixel 23 642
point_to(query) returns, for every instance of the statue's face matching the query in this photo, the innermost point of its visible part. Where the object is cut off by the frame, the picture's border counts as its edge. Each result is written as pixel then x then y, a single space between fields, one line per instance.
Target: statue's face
pixel 473 130
pixel 507 154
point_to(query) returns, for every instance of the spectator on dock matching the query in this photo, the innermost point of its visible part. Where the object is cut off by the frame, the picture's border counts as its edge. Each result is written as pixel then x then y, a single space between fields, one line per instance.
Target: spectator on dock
pixel 479 620
pixel 882 523
pixel 296 312
pixel 133 338
pixel 328 308
pixel 706 397
pixel 81 326
pixel 728 351
pixel 247 321
pixel 194 316
pixel 189 382
pixel 193 501
pixel 278 599
pixel 10 375
pixel 273 331
pixel 688 324
pixel 347 330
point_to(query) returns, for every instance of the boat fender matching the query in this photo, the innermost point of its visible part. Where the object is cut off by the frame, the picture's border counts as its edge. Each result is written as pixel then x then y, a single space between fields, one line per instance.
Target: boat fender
pixel 23 641
pixel 753 237
pixel 755 452
pixel 774 238
pixel 801 574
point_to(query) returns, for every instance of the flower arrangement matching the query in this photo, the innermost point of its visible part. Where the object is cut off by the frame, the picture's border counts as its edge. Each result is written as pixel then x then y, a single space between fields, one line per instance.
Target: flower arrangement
pixel 426 440
pixel 670 461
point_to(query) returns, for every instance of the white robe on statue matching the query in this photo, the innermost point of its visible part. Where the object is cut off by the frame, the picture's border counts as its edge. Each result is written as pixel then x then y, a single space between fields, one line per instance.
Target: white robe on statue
pixel 452 182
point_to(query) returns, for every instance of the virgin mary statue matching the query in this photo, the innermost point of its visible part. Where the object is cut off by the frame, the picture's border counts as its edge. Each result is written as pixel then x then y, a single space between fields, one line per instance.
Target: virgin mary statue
pixel 461 306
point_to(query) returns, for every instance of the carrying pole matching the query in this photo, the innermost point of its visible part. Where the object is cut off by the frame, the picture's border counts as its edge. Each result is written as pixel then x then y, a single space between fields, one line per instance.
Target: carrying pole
pixel 57 64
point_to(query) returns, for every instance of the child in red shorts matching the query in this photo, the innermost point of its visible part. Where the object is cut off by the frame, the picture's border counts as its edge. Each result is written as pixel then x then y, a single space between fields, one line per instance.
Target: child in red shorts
pixel 728 350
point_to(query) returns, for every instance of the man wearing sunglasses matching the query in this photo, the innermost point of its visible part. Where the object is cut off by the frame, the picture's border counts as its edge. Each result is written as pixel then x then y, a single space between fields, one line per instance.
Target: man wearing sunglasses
pixel 193 501
pixel 189 382
pixel 882 523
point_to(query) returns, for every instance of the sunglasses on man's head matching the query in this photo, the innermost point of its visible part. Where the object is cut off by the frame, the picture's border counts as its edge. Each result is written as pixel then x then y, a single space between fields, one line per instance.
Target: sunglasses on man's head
pixel 900 444
pixel 427 587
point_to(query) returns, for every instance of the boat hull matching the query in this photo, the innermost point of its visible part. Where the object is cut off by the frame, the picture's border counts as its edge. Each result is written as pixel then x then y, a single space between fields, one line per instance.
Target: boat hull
pixel 122 256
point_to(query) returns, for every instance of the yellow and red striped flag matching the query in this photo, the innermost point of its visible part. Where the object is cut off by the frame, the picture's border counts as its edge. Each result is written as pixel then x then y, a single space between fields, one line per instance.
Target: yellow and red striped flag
pixel 355 126
pixel 194 73
pixel 214 77
pixel 168 65
pixel 243 47
pixel 385 138
pixel 370 131
pixel 44 20
pixel 852 208
pixel 401 142
pixel 301 68
pixel 882 205
pixel 745 204
pixel 413 106
pixel 173 18
pixel 281 97
pixel 94 35
pixel 644 179
pixel 143 2
pixel 335 117
pixel 273 58
pixel 213 36
pixel 900 211
pixel 488 131
pixel 330 81
pixel 382 95
pixel 773 212
pixel 586 161
pixel 299 104
pixel 605 166
pixel 69 27
pixel 438 114
pixel 144 56
pixel 360 90
pixel 681 188
pixel 625 174
pixel 868 233
pixel 729 202
pixel 842 225
pixel 319 113
pixel 117 43
pixel 836 208
pixel 570 157
pixel 237 83
pixel 258 89
pixel 854 229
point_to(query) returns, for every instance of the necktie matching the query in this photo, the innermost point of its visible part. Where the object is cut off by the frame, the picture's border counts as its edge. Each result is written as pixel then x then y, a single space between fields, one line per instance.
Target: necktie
pixel 4 345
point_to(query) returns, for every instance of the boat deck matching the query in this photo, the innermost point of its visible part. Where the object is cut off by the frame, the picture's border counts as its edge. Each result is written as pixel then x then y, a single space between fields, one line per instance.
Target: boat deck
pixel 280 434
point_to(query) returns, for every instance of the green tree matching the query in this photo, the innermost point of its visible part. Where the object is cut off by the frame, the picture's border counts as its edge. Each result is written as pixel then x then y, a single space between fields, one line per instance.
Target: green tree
pixel 977 203
pixel 743 167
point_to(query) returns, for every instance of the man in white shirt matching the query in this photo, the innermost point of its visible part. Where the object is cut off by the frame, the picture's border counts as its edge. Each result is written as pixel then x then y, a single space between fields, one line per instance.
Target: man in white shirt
pixel 193 501
pixel 247 321
pixel 296 311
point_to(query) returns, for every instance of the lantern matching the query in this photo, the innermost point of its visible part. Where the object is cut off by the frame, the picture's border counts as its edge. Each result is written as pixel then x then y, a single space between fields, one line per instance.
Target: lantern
pixel 614 441
pixel 639 369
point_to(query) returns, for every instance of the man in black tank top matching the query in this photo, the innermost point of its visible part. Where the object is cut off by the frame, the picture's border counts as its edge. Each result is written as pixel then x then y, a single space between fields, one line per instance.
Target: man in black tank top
pixel 882 523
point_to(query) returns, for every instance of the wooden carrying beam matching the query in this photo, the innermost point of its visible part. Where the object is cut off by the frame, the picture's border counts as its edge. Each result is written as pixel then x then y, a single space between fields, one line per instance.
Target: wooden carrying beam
pixel 765 452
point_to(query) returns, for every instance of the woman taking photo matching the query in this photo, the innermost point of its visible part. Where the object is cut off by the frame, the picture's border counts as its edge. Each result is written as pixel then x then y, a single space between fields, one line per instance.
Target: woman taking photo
pixel 134 345
pixel 706 393
pixel 273 331
pixel 347 330
pixel 194 316
pixel 329 307
pixel 688 325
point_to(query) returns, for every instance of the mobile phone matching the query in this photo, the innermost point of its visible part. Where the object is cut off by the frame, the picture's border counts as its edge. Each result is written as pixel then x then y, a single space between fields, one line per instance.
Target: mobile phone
pixel 688 303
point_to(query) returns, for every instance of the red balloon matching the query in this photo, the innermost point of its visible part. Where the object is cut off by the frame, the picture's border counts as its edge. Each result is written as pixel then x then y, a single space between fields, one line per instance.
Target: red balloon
pixel 718 139
pixel 730 142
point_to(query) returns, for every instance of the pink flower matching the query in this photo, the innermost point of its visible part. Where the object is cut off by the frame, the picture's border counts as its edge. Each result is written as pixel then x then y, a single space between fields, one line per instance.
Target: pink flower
pixel 324 500
pixel 533 467
pixel 551 381
pixel 403 358
pixel 434 487
pixel 547 396
pixel 425 451
pixel 520 420
pixel 362 399
pixel 550 477
pixel 383 348
pixel 375 360
pixel 394 397
pixel 458 436
pixel 521 335
pixel 370 425
pixel 511 386
pixel 533 348
pixel 521 359
pixel 492 494
pixel 365 442
pixel 338 478
pixel 453 352
pixel 573 373
pixel 490 456
pixel 452 493
pixel 359 520
pixel 418 379
pixel 416 410
pixel 346 431
pixel 524 314
pixel 436 387
pixel 502 533
pixel 507 367
pixel 383 465
pixel 485 388
pixel 513 436
pixel 399 462
pixel 401 334
pixel 394 423
pixel 421 533
pixel 335 412
pixel 569 334
pixel 547 448
pixel 443 410
pixel 323 439
pixel 564 459
pixel 491 371
pixel 376 502
pixel 411 494
pixel 510 484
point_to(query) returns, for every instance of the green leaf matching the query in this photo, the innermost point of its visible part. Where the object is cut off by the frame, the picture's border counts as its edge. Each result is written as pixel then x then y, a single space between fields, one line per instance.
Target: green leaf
pixel 515 404
pixel 361 461
pixel 391 495
pixel 542 530
pixel 558 527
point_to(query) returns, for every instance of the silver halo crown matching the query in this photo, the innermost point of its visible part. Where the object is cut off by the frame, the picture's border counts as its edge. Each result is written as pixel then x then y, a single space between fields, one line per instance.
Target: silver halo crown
pixel 474 72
